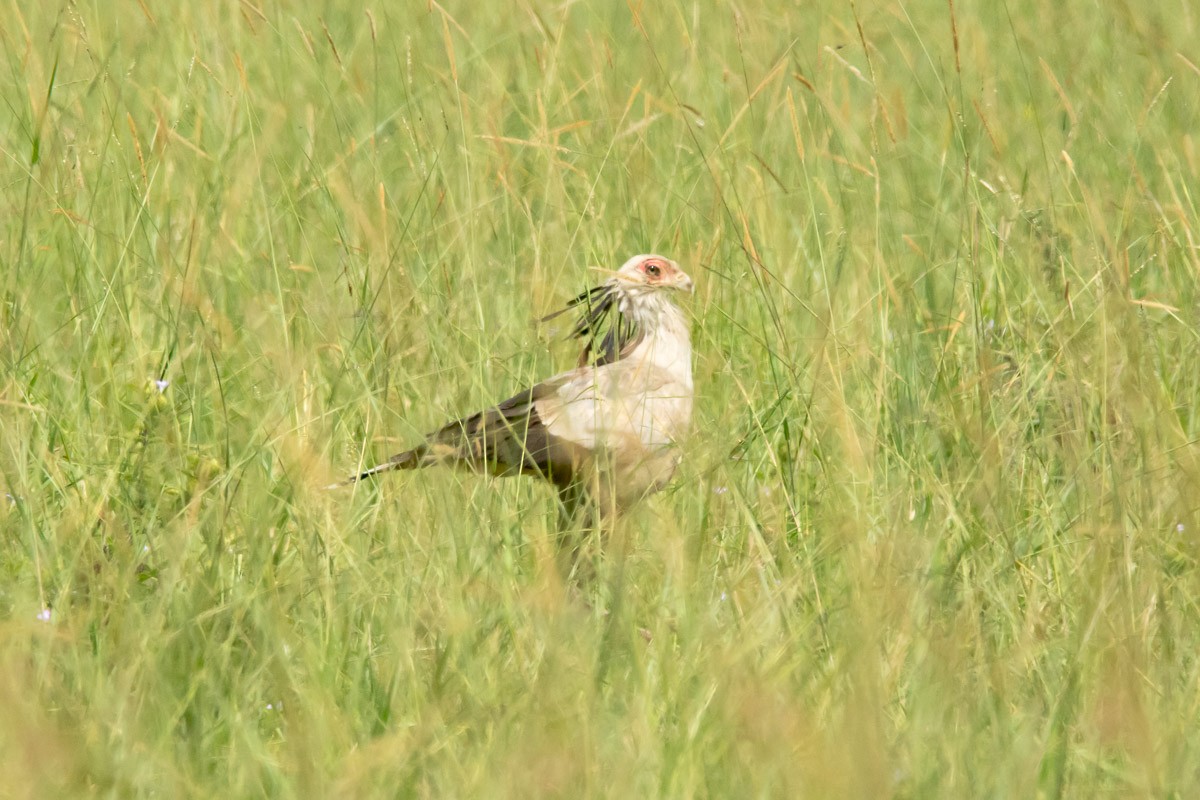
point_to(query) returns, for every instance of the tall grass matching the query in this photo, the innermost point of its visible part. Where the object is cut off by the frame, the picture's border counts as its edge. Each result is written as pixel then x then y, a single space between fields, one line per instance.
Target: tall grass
pixel 936 534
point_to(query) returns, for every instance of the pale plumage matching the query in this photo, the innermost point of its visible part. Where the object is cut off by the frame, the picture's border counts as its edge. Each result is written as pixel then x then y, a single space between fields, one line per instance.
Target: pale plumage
pixel 604 433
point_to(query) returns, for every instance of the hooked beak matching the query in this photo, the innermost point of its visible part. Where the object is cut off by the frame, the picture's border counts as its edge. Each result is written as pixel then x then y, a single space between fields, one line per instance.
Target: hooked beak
pixel 683 282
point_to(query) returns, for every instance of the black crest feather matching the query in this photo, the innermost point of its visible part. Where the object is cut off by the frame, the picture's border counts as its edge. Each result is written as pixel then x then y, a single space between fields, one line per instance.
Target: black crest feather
pixel 608 334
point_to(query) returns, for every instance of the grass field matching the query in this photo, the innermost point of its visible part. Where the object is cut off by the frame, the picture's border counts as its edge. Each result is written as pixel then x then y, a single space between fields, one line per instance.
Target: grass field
pixel 938 529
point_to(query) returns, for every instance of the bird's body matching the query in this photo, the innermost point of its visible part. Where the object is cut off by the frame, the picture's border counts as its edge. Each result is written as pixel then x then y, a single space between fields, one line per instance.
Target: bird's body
pixel 604 433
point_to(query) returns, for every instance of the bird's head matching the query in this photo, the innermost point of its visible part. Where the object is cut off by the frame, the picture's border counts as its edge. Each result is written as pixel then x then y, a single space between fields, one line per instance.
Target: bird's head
pixel 650 273
pixel 638 294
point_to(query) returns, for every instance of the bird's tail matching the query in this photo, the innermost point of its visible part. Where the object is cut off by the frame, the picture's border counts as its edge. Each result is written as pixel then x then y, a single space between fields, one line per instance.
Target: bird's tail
pixel 409 459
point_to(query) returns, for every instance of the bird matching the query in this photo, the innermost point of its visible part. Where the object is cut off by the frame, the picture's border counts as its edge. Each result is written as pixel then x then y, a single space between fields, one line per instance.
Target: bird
pixel 605 434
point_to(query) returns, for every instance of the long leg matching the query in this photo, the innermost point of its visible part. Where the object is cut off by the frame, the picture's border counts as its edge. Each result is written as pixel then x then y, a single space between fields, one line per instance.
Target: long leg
pixel 577 518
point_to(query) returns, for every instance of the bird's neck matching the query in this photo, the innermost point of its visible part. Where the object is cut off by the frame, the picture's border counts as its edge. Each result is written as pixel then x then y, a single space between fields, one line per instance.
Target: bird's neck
pixel 664 339
pixel 649 310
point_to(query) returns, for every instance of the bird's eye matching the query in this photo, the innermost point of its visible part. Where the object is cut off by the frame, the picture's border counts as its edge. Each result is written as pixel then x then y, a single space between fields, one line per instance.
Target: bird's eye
pixel 652 270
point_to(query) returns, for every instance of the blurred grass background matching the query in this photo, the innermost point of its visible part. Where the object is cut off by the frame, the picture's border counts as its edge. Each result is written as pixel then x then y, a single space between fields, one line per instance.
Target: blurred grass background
pixel 937 532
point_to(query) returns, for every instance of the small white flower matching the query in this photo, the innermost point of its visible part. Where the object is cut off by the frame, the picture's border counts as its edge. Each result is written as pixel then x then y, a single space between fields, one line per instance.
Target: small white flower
pixel 720 489
pixel 161 385
pixel 724 597
pixel 44 615
pixel 1179 527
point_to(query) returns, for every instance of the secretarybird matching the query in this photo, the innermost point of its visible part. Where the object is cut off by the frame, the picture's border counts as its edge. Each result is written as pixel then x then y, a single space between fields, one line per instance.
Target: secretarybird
pixel 604 433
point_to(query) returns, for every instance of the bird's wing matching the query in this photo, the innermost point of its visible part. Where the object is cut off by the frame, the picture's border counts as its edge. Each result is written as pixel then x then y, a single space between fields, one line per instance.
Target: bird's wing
pixel 510 438
pixel 623 404
pixel 557 426
pixel 619 422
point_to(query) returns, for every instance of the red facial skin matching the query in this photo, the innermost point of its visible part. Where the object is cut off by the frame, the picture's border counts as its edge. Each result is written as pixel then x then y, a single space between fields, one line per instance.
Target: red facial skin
pixel 656 271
